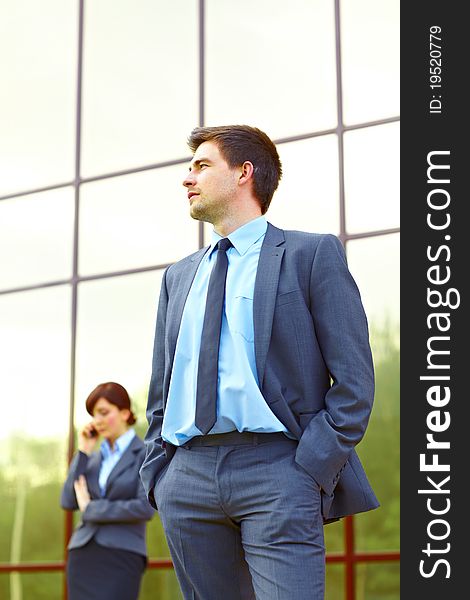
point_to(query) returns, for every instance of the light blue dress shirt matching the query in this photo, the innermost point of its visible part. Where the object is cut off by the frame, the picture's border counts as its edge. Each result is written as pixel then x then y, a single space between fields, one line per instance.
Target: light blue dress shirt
pixel 109 458
pixel 240 404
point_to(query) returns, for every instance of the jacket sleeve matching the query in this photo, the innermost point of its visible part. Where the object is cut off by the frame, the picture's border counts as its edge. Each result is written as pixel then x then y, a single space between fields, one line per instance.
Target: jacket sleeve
pixel 131 510
pixel 155 457
pixel 77 467
pixel 342 331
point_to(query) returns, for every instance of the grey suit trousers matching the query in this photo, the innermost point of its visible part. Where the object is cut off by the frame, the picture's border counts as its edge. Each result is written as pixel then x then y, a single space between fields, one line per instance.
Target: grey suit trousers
pixel 243 522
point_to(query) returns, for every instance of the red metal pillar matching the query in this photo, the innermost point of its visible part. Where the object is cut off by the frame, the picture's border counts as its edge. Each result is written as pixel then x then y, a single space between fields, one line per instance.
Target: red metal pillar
pixel 350 574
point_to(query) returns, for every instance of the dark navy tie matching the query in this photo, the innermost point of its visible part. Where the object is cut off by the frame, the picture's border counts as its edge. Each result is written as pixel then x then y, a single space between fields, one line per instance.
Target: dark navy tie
pixel 207 374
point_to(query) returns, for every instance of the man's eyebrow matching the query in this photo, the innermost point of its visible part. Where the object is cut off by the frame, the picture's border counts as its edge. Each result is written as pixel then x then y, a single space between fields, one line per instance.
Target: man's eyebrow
pixel 197 162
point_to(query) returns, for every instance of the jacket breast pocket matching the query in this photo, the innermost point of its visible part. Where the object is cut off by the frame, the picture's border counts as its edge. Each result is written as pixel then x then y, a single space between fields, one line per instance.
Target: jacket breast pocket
pixel 240 316
pixel 290 297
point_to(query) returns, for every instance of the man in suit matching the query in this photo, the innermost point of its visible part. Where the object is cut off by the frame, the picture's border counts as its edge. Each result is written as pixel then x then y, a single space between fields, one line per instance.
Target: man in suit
pixel 246 460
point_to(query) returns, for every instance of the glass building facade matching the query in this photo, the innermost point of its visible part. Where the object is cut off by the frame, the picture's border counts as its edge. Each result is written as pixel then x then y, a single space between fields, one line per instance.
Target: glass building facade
pixel 98 99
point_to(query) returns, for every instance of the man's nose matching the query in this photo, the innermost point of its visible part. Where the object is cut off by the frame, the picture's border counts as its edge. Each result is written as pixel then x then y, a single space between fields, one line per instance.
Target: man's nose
pixel 189 180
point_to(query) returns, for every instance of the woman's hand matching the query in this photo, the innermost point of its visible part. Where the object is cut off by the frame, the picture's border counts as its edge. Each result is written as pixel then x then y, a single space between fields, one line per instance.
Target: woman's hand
pixel 81 492
pixel 87 438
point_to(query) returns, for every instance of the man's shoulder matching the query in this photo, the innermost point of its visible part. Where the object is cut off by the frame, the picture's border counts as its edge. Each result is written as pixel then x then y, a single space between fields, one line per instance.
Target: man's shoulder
pixel 301 238
pixel 185 262
pixel 304 236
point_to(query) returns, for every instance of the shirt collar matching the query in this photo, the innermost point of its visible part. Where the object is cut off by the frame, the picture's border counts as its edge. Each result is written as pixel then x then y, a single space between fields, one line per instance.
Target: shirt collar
pixel 120 444
pixel 243 237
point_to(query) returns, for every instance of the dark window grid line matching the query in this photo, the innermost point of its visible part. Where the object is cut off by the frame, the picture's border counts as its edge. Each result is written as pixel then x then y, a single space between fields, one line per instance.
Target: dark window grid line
pixel 109 274
pixel 84 278
pixel 76 224
pixel 202 87
pixel 202 60
pixel 178 161
pixel 339 116
pixel 83 180
pixel 348 526
pixel 68 518
pixel 378 232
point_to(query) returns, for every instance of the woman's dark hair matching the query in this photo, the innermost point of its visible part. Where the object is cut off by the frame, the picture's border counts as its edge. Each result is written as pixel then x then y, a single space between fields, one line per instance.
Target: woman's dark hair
pixel 115 394
pixel 238 143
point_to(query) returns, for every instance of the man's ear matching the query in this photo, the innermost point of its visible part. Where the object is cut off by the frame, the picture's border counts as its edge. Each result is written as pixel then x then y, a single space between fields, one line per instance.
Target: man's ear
pixel 246 172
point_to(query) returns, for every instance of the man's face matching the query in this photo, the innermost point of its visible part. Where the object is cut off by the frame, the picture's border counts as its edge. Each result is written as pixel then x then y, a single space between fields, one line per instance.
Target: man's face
pixel 211 185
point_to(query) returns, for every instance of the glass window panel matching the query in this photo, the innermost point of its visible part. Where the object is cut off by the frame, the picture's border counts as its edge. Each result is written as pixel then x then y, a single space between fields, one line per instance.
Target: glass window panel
pixel 157 546
pixel 378 581
pixel 372 178
pixel 161 584
pixel 307 205
pixel 116 324
pixel 35 384
pixel 36 238
pixel 270 65
pixel 8 498
pixel 37 586
pixel 37 118
pixel 135 221
pixel 207 233
pixel 308 196
pixel 379 529
pixel 140 85
pixel 370 54
pixel 5 585
pixel 35 339
pixel 334 537
pixel 334 584
pixel 374 263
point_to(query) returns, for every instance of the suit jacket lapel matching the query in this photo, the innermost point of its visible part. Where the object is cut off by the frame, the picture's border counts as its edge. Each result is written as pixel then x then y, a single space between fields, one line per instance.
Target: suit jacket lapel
pixel 127 460
pixel 179 296
pixel 264 300
pixel 93 473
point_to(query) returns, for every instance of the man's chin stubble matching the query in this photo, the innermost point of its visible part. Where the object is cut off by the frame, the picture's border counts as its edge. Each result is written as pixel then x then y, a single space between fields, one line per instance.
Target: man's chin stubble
pixel 198 215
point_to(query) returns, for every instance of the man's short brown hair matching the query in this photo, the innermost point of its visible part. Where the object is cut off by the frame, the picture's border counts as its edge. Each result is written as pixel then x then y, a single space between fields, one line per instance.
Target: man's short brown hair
pixel 240 143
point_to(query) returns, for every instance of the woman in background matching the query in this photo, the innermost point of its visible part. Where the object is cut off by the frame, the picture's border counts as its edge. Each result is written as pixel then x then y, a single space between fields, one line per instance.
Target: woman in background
pixel 107 552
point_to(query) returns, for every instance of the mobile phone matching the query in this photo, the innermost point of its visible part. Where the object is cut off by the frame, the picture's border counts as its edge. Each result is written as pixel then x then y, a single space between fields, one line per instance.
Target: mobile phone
pixel 93 432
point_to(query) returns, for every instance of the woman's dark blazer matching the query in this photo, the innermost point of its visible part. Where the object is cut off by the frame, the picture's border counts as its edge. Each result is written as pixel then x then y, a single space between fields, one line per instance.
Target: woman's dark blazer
pixel 117 519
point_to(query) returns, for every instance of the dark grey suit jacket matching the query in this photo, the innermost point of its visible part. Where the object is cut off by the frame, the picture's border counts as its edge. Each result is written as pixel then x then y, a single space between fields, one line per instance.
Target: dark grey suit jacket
pixel 313 360
pixel 117 520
